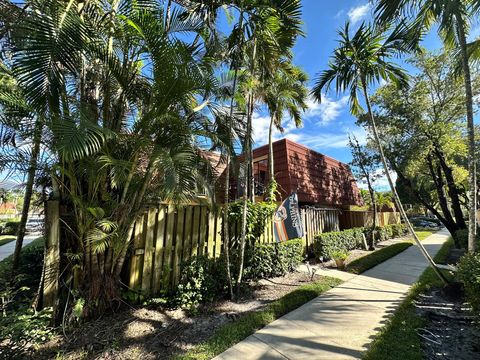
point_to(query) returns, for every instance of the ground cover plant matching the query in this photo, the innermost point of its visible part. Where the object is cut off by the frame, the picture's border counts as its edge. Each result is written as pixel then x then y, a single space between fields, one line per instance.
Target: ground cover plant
pixel 21 327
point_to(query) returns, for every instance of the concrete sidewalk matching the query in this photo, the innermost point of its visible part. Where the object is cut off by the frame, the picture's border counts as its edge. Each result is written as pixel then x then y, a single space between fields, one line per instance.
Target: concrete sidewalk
pixel 8 249
pixel 342 322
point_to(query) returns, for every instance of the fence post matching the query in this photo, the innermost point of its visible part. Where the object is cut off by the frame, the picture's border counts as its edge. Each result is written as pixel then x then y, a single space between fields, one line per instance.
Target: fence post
pixel 52 256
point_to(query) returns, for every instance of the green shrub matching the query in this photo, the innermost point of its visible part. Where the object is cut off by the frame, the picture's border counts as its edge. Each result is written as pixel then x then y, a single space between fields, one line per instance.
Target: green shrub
pixel 398 230
pixel 202 279
pixel 271 260
pixel 469 274
pixel 345 240
pixel 10 228
pixel 461 239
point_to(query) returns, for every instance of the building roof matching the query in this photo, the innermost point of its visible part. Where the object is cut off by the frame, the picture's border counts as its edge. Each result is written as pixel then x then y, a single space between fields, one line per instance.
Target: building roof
pixel 317 178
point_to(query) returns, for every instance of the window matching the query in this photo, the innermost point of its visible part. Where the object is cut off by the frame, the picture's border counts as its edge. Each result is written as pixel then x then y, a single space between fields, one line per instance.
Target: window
pixel 260 175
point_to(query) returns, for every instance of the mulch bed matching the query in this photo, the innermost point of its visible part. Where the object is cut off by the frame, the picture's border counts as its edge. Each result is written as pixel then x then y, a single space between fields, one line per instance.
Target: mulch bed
pixel 450 331
pixel 156 333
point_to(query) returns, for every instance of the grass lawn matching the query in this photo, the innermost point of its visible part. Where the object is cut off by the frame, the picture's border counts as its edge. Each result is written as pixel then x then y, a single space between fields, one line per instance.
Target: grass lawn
pixel 366 262
pixel 398 339
pixel 232 333
pixel 422 234
pixel 5 239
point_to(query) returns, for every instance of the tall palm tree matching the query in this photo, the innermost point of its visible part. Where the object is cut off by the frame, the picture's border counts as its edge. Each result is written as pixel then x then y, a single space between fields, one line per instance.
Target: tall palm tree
pixel 284 92
pixel 453 18
pixel 273 27
pixel 359 62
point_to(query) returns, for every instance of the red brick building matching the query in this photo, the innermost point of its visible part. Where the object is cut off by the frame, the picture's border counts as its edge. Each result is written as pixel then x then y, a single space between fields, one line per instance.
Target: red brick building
pixel 318 179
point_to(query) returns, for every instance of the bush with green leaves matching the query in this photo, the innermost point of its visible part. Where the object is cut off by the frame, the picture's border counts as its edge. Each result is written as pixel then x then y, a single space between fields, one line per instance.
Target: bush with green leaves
pixel 461 239
pixel 327 243
pixel 398 230
pixel 469 274
pixel 202 279
pixel 258 214
pixel 271 260
pixel 10 228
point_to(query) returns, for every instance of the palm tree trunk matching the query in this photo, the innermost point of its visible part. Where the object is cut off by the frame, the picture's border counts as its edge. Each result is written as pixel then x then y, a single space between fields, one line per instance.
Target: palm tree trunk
pixel 374 207
pixel 226 227
pixel 37 136
pixel 243 237
pixel 403 214
pixel 472 181
pixel 271 169
pixel 248 183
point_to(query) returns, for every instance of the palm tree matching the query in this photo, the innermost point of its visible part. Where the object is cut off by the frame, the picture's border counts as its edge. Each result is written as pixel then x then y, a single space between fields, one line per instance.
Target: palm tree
pixel 358 62
pixel 121 136
pixel 453 18
pixel 284 92
pixel 273 28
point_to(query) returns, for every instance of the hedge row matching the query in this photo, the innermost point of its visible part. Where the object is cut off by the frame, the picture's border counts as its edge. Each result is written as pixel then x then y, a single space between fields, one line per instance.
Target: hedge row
pixel 271 260
pixel 204 279
pixel 343 241
pixel 9 228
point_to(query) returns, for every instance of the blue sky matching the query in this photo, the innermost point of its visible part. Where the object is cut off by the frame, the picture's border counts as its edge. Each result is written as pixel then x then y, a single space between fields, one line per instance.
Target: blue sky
pixel 326 125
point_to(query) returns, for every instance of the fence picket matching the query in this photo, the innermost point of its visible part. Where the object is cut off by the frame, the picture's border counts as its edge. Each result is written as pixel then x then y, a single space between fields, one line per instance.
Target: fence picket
pixel 159 249
pixel 178 246
pixel 149 251
pixel 167 255
pixel 203 230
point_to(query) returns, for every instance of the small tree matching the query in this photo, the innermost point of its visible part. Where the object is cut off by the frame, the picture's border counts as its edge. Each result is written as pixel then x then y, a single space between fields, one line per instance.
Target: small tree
pixel 365 167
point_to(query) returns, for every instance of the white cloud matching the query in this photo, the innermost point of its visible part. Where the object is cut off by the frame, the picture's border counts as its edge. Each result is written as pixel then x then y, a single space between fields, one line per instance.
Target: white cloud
pixel 327 110
pixel 356 14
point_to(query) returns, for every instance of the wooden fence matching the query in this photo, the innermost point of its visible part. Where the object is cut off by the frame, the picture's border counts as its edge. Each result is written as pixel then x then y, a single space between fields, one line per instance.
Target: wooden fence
pixel 166 236
pixel 351 219
pixel 318 220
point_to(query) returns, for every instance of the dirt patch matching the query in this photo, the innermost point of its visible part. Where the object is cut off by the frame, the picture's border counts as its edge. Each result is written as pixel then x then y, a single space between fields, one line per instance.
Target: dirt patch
pixel 450 332
pixel 158 333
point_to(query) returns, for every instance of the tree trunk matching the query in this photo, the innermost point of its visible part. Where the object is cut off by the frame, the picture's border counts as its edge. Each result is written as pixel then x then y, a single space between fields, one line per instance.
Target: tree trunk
pixel 472 182
pixel 439 185
pixel 374 206
pixel 248 174
pixel 271 173
pixel 225 224
pixel 32 168
pixel 392 186
pixel 243 238
pixel 452 189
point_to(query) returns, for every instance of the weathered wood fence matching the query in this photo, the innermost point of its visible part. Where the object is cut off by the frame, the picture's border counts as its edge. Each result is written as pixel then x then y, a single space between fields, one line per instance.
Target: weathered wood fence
pixel 166 236
pixel 351 219
pixel 318 220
